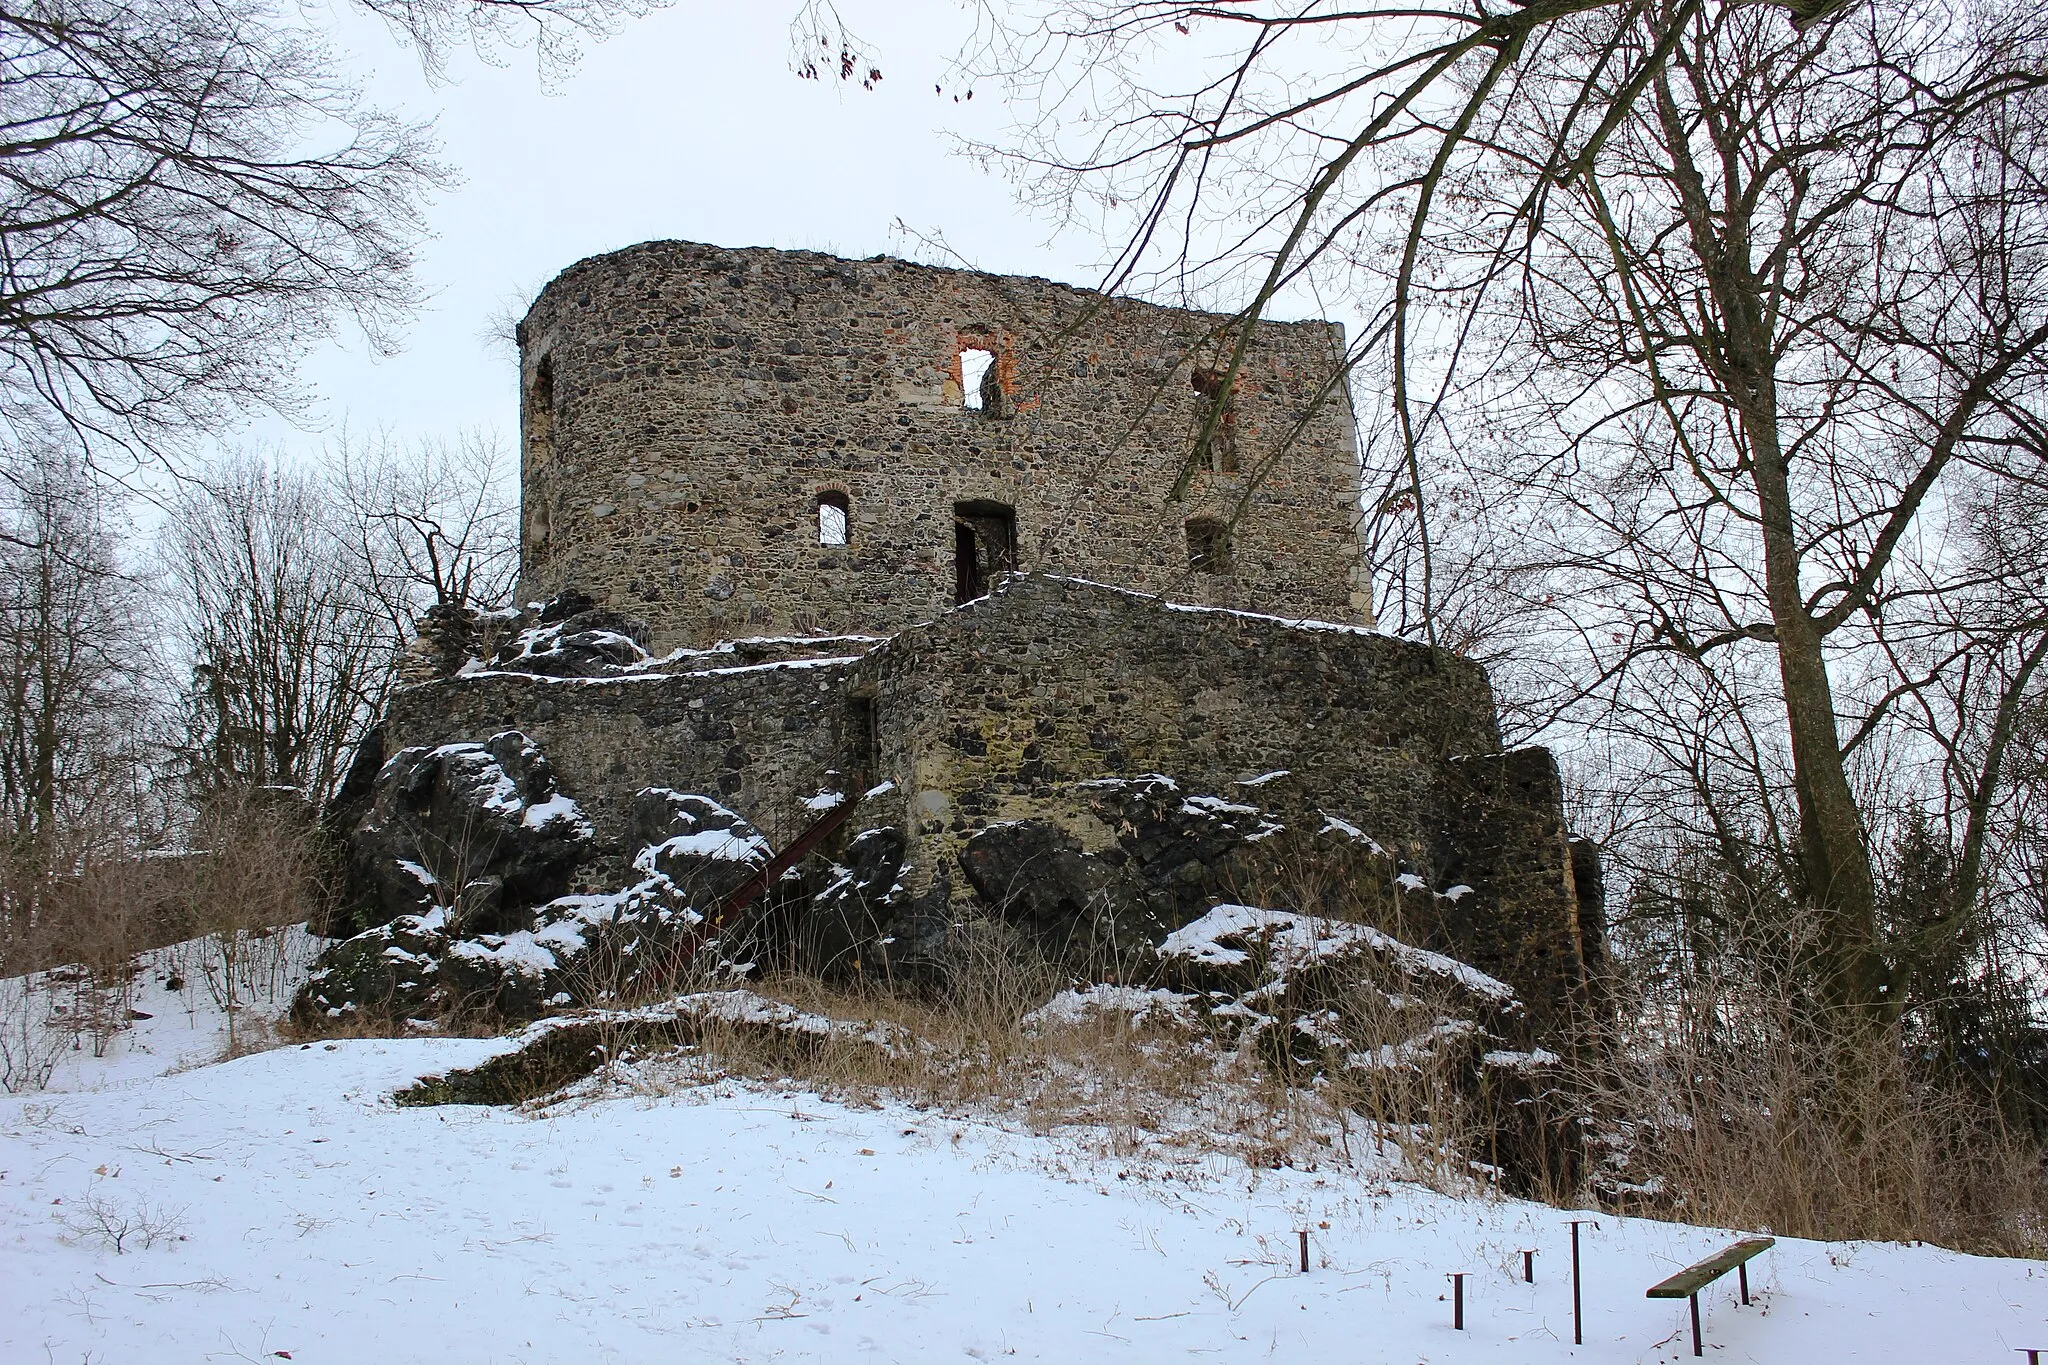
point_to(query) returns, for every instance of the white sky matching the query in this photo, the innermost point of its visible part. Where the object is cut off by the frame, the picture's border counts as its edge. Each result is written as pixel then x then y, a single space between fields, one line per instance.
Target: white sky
pixel 686 124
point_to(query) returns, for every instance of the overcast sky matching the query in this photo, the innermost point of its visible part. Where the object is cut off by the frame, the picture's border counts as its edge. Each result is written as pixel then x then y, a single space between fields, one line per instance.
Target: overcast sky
pixel 686 124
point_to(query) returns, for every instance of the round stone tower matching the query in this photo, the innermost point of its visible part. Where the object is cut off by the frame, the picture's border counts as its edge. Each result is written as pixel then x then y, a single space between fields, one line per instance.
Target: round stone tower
pixel 751 442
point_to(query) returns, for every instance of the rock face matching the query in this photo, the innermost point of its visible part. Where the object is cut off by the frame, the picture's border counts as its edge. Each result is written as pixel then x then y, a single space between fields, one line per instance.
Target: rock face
pixel 1133 889
pixel 480 831
pixel 461 871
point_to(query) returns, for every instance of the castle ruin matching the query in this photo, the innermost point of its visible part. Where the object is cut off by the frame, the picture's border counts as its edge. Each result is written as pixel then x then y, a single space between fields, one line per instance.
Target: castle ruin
pixel 879 565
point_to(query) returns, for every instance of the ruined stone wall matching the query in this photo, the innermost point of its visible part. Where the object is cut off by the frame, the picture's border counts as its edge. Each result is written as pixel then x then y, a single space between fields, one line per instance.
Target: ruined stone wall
pixel 760 739
pixel 1052 681
pixel 983 716
pixel 1504 831
pixel 686 407
pixel 1005 710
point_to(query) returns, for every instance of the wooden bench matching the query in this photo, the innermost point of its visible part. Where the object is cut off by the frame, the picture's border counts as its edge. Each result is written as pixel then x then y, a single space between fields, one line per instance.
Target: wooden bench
pixel 1688 1283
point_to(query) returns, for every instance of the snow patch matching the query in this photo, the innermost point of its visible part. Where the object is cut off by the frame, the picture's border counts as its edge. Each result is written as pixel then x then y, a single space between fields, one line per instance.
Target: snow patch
pixel 1136 1006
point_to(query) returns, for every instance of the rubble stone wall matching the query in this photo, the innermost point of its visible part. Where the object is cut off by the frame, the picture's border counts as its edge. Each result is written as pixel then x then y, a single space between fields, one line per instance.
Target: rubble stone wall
pixel 986 714
pixel 1005 710
pixel 686 407
pixel 761 739
pixel 1051 681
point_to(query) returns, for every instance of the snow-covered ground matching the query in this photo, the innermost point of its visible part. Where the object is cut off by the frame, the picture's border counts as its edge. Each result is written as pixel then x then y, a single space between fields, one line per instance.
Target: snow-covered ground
pixel 170 1017
pixel 278 1206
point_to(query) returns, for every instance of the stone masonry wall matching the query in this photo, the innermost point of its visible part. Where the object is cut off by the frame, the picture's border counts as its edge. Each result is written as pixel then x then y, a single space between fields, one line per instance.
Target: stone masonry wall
pixel 1049 681
pixel 984 715
pixel 1003 710
pixel 685 407
pixel 759 739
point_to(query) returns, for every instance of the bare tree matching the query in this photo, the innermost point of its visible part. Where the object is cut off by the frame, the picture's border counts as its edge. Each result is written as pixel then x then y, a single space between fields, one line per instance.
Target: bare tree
pixel 1756 288
pixel 191 198
pixel 192 195
pixel 75 695
pixel 433 526
pixel 554 29
pixel 1795 309
pixel 289 651
pixel 78 720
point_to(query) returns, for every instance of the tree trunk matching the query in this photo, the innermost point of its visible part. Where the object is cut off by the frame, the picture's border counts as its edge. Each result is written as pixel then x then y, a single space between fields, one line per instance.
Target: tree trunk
pixel 1736 343
pixel 1834 860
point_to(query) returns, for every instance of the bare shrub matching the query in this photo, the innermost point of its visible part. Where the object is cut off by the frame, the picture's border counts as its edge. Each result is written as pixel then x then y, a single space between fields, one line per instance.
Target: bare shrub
pixel 122 1225
pixel 30 1044
pixel 259 872
pixel 68 951
pixel 1730 1099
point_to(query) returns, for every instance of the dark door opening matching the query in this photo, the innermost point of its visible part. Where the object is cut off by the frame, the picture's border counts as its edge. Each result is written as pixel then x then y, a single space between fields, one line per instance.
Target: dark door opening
pixel 862 751
pixel 984 547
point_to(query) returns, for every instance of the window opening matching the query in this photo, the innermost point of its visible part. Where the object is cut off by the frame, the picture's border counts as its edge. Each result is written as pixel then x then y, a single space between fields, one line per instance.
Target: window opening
pixel 981 383
pixel 1208 546
pixel 984 547
pixel 976 366
pixel 540 414
pixel 1222 441
pixel 833 518
pixel 538 526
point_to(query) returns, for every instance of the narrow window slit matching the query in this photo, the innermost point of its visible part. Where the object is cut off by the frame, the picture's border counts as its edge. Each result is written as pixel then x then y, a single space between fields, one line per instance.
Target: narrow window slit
pixel 1222 441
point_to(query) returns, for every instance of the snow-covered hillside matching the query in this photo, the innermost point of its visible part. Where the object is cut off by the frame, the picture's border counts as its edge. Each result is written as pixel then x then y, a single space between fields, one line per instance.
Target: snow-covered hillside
pixel 278 1206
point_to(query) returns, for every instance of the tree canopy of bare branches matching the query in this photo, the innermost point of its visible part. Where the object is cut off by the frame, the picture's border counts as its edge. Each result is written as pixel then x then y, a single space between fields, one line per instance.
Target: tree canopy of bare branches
pixel 75 670
pixel 1704 343
pixel 288 650
pixel 189 197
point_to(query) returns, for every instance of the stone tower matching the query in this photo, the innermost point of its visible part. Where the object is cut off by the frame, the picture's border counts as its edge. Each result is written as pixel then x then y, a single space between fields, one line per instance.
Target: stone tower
pixel 753 442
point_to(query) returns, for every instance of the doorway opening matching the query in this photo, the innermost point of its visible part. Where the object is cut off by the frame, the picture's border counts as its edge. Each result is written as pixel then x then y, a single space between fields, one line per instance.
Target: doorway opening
pixel 984 547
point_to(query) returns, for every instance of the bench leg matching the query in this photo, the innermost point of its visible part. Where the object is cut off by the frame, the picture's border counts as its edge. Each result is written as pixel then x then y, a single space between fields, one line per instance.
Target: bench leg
pixel 1742 1274
pixel 1696 1326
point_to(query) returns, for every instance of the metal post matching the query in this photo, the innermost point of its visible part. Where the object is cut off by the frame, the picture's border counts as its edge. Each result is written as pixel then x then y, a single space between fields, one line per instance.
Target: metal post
pixel 1695 1299
pixel 1742 1276
pixel 1458 1301
pixel 1528 1267
pixel 1303 1234
pixel 1578 1316
pixel 1578 1321
pixel 2033 1354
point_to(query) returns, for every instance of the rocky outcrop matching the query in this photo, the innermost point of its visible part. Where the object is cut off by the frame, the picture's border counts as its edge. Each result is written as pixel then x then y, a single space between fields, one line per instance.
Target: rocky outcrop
pixel 478 831
pixel 844 928
pixel 569 636
pixel 471 846
pixel 1090 885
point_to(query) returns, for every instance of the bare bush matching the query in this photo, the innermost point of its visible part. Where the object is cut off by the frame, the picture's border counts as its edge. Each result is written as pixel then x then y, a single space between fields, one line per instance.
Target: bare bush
pixel 1726 1099
pixel 260 872
pixel 30 1047
pixel 122 1225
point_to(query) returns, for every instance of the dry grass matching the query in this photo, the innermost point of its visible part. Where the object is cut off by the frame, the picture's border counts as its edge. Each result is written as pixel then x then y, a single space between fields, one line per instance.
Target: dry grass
pixel 1730 1105
pixel 1180 1090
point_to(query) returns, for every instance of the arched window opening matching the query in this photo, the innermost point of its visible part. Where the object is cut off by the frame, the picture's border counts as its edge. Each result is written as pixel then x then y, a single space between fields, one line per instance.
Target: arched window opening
pixel 834 518
pixel 981 384
pixel 1222 441
pixel 1208 546
pixel 540 414
pixel 984 547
